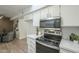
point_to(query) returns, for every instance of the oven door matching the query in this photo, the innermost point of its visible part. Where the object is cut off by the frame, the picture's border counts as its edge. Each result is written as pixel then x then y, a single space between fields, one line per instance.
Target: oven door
pixel 43 49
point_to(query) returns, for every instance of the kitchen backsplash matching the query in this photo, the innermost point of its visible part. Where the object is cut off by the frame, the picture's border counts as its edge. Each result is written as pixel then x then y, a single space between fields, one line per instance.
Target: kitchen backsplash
pixel 68 30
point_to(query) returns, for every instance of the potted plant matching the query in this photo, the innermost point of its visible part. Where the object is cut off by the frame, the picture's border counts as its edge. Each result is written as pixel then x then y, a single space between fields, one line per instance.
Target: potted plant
pixel 74 38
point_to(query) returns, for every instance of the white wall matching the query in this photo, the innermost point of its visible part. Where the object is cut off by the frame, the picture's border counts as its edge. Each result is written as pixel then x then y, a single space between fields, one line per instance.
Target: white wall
pixel 70 15
pixel 68 30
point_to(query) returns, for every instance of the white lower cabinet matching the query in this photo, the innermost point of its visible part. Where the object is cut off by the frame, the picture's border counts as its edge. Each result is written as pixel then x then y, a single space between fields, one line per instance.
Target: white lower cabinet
pixel 31 45
pixel 31 42
pixel 67 46
pixel 64 51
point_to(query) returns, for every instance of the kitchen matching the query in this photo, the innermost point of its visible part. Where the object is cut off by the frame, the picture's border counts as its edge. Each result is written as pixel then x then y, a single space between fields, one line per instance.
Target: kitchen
pixel 44 29
pixel 69 24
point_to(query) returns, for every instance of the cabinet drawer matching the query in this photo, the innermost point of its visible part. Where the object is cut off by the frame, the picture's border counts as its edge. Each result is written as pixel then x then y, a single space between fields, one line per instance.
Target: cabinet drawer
pixel 65 51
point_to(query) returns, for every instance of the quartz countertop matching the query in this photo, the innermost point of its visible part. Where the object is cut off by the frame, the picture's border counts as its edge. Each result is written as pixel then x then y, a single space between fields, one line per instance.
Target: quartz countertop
pixel 33 36
pixel 69 45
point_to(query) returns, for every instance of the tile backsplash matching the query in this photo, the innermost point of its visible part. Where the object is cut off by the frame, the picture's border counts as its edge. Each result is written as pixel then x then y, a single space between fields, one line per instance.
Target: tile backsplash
pixel 68 30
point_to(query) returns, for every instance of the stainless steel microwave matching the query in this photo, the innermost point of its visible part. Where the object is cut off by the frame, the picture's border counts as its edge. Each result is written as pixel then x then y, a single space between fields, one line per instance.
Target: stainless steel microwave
pixel 51 23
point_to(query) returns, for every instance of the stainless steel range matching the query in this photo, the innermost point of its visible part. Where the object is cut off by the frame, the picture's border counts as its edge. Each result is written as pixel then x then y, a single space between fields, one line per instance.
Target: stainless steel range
pixel 49 42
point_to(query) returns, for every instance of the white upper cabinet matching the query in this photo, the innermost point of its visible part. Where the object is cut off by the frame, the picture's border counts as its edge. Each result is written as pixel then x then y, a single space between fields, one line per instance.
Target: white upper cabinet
pixel 36 18
pixel 28 17
pixel 70 15
pixel 44 13
pixel 50 12
pixel 53 11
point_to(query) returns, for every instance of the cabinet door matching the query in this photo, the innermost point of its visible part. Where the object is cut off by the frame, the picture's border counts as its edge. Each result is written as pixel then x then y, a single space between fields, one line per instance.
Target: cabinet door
pixel 31 45
pixel 36 18
pixel 70 15
pixel 28 17
pixel 50 12
pixel 53 11
pixel 44 13
pixel 65 51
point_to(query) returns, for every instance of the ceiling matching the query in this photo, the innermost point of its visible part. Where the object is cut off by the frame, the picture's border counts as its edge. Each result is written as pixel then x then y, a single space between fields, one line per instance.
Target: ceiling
pixel 12 10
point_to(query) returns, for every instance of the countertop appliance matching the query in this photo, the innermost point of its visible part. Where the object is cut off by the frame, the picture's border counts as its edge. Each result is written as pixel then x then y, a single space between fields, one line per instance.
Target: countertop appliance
pixel 51 23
